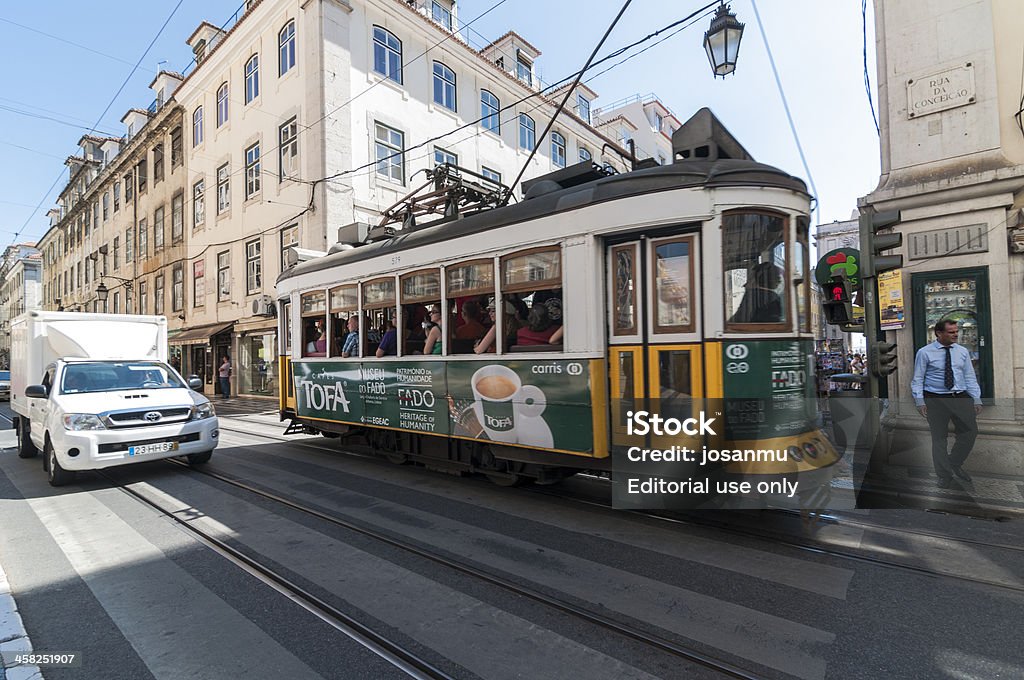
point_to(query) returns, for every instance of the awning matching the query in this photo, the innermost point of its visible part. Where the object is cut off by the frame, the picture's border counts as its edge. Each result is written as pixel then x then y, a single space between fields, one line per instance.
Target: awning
pixel 200 334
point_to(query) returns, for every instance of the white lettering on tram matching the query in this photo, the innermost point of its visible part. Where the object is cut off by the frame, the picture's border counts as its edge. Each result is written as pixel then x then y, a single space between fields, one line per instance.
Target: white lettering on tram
pixel 325 397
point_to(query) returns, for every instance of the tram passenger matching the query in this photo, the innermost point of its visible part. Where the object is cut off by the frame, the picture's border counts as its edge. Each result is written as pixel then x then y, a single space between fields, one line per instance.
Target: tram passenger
pixel 389 343
pixel 471 328
pixel 351 346
pixel 317 345
pixel 760 303
pixel 432 327
pixel 511 322
pixel 539 327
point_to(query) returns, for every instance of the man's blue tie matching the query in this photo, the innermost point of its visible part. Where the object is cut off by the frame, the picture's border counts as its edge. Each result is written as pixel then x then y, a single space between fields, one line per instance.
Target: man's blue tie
pixel 949 369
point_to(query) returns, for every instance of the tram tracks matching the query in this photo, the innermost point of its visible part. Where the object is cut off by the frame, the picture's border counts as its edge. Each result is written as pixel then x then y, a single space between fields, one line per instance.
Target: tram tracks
pixel 561 606
pixel 393 652
pixel 802 544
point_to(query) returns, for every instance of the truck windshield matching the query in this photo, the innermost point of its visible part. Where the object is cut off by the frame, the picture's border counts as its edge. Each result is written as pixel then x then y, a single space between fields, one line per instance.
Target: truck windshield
pixel 109 376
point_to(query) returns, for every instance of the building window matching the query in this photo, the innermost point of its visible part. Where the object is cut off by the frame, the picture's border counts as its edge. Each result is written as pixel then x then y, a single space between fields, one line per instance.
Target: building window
pixel 583 107
pixel 198 283
pixel 489 107
pixel 177 288
pixel 117 195
pixel 659 120
pixel 143 239
pixel 223 188
pixel 143 297
pixel 198 204
pixel 158 229
pixel 106 205
pixel 117 302
pixel 585 154
pixel 390 144
pixel 524 69
pixel 176 154
pixel 289 238
pixel 286 48
pixel 444 86
pixel 527 132
pixel 252 78
pixel 441 14
pixel 223 275
pixel 442 156
pixel 492 175
pixel 158 294
pixel 387 54
pixel 288 149
pixel 222 104
pixel 140 171
pixel 558 150
pixel 177 218
pixel 253 267
pixel 197 126
pixel 129 256
pixel 117 258
pixel 158 163
pixel 129 187
pixel 252 170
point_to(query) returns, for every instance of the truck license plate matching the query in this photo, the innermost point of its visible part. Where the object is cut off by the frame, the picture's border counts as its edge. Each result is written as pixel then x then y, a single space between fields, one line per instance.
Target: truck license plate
pixel 159 447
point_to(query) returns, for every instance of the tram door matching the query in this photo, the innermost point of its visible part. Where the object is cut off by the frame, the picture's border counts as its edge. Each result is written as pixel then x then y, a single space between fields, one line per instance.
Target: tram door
pixel 654 353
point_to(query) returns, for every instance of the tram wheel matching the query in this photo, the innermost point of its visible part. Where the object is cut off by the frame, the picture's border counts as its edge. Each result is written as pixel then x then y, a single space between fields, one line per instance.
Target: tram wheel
pixel 397 457
pixel 510 476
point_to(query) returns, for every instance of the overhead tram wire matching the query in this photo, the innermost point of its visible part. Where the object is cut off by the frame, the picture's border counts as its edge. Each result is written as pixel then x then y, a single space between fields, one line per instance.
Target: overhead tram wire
pixel 867 78
pixel 785 105
pixel 100 119
pixel 568 93
pixel 695 15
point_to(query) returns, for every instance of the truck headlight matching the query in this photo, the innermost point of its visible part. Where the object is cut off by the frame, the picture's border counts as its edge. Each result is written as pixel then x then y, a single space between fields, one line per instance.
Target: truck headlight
pixel 205 410
pixel 82 421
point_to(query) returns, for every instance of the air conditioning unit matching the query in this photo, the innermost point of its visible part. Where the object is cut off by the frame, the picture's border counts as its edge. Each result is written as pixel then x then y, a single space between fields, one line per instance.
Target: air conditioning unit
pixel 263 306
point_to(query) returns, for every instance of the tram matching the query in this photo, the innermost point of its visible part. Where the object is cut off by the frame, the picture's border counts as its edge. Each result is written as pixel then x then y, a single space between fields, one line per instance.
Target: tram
pixel 522 341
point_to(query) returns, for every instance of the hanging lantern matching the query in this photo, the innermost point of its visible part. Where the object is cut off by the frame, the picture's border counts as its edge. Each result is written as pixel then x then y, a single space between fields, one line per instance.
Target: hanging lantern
pixel 722 41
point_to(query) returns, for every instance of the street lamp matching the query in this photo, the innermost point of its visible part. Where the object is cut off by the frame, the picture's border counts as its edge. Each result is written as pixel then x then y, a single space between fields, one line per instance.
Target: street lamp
pixel 722 41
pixel 102 290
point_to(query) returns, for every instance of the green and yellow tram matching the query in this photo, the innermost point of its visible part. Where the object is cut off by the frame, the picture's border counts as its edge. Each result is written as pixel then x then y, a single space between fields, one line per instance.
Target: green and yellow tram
pixel 522 341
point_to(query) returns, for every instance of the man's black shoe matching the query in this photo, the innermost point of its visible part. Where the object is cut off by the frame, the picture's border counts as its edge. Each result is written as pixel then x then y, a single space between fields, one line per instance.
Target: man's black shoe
pixel 945 482
pixel 960 474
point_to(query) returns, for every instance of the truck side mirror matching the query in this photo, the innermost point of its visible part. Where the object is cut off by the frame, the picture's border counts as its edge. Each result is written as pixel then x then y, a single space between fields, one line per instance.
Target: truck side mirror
pixel 195 384
pixel 37 392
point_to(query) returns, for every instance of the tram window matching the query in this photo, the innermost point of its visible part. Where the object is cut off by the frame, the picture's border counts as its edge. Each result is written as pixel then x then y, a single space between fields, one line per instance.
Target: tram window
pixel 421 312
pixel 624 312
pixel 802 268
pixel 674 377
pixel 379 318
pixel 533 283
pixel 754 266
pixel 314 324
pixel 470 291
pixel 673 285
pixel 344 303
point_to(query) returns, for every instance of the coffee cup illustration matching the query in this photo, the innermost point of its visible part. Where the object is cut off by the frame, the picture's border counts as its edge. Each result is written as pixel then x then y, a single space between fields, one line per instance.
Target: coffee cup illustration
pixel 499 397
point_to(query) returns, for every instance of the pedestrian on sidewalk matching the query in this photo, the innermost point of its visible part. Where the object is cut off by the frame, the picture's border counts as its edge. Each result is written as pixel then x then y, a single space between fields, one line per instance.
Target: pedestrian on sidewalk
pixel 224 374
pixel 945 388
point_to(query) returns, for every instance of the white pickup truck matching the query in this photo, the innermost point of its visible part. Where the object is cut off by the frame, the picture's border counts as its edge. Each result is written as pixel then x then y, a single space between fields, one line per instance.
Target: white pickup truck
pixel 94 390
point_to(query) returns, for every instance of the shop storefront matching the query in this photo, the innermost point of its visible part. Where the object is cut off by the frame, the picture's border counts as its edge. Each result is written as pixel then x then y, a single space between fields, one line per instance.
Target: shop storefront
pixel 255 361
pixel 192 351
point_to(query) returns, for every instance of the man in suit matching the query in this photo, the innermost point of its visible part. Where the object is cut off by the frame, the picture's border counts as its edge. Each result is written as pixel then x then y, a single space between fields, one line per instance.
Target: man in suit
pixel 945 388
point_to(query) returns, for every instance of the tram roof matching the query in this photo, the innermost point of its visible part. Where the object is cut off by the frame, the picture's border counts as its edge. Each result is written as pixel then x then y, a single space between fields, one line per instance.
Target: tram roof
pixel 684 174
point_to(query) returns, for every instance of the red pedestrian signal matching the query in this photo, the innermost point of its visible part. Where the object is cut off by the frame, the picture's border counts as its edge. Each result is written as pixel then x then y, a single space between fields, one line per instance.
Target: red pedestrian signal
pixel 838 306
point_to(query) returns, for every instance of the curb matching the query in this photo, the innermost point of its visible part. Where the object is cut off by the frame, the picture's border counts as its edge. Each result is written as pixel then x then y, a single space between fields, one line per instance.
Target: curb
pixel 13 637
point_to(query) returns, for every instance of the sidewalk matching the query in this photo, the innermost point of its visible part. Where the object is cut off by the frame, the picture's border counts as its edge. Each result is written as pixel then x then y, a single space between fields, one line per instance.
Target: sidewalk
pixel 13 637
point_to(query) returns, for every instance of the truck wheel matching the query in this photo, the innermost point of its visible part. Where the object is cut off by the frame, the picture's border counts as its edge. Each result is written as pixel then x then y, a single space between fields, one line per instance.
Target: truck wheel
pixel 56 475
pixel 26 449
pixel 199 458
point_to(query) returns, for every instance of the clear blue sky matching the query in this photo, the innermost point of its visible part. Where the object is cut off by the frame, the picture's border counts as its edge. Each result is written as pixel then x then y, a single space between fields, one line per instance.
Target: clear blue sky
pixel 818 54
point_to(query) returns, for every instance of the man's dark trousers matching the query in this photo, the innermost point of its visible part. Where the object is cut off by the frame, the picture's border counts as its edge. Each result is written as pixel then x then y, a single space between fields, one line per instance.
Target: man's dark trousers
pixel 960 409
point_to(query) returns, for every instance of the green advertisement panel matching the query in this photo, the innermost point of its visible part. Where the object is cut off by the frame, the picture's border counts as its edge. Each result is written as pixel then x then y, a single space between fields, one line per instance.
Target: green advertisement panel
pixel 539 404
pixel 769 389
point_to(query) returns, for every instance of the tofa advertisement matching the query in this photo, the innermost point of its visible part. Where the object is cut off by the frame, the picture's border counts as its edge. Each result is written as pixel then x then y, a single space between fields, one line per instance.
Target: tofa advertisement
pixel 537 404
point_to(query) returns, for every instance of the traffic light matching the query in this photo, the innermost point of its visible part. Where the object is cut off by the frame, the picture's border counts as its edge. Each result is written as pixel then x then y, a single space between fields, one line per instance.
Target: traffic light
pixel 883 358
pixel 838 305
pixel 873 244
